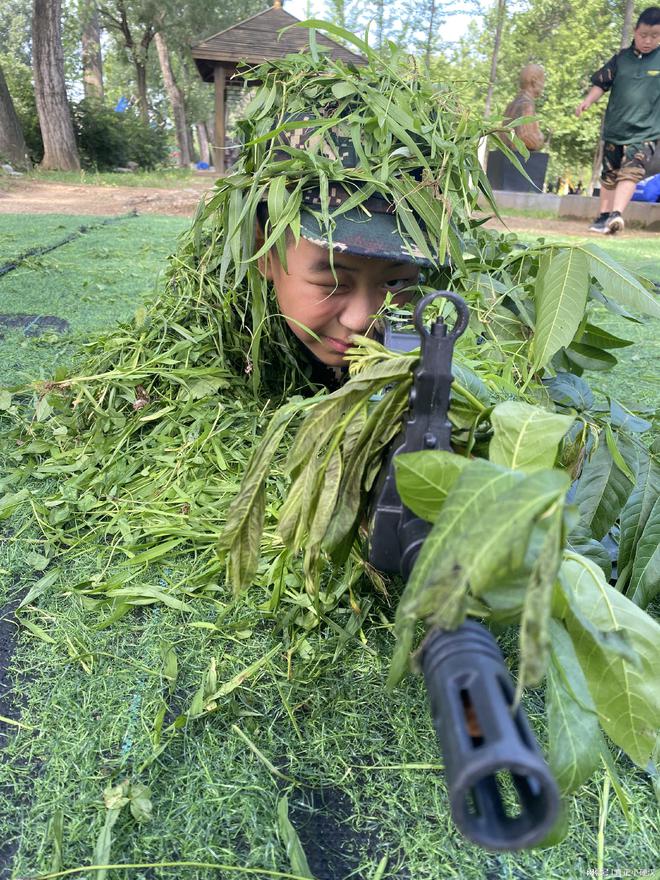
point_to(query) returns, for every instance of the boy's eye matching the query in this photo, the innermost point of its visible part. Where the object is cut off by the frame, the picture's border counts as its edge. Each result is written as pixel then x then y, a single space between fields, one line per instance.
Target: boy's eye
pixel 396 284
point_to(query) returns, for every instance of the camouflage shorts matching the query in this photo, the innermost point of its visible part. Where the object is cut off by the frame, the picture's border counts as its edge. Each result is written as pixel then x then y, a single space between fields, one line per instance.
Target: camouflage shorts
pixel 625 162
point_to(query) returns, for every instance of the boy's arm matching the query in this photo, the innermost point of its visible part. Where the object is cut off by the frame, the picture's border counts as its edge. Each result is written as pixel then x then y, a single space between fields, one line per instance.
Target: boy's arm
pixel 595 92
pixel 601 82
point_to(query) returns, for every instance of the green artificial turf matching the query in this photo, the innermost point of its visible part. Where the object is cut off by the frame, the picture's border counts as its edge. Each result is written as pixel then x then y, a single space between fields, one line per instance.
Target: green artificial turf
pixel 99 278
pixel 361 769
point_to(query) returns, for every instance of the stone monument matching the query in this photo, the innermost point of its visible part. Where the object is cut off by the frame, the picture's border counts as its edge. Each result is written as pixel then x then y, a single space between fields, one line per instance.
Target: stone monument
pixel 502 173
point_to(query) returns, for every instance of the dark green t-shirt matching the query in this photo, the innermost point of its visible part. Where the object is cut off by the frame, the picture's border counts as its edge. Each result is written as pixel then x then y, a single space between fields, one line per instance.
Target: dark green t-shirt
pixel 633 111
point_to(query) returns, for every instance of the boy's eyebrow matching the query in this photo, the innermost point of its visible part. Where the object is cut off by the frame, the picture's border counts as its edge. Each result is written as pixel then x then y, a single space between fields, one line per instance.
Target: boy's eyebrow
pixel 323 265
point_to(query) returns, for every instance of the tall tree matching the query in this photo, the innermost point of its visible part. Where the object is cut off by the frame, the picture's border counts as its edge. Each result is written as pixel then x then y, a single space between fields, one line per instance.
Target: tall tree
pixel 626 31
pixel 492 79
pixel 12 142
pixel 183 135
pixel 134 24
pixel 60 150
pixel 92 59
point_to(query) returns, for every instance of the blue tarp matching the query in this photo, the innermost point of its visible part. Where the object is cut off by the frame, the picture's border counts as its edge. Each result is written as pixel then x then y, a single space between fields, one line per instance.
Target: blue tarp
pixel 648 190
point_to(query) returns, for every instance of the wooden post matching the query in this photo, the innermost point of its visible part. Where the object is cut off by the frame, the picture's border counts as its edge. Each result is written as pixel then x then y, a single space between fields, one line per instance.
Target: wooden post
pixel 219 140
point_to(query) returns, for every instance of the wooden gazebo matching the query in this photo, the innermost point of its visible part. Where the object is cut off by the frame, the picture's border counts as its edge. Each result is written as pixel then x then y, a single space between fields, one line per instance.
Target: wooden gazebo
pixel 253 41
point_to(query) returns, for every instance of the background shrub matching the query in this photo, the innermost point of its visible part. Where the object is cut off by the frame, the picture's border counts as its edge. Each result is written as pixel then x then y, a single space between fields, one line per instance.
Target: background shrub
pixel 107 139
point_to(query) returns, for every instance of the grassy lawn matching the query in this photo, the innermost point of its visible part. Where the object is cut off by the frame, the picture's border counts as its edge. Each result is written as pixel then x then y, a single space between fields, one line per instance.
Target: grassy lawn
pixel 360 768
pixel 160 178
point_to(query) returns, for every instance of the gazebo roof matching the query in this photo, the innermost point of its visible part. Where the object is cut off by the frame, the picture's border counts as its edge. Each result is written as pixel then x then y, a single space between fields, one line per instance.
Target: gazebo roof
pixel 255 40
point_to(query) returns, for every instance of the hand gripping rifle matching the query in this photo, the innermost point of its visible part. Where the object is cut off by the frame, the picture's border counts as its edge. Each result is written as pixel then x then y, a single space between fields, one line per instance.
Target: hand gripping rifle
pixel 470 689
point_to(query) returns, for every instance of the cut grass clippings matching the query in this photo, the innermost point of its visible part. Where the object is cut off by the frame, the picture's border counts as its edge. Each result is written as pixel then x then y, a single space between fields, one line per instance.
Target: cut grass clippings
pixel 100 698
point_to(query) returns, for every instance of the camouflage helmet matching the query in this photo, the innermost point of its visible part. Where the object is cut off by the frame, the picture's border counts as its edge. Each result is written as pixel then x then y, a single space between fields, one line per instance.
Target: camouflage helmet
pixel 368 230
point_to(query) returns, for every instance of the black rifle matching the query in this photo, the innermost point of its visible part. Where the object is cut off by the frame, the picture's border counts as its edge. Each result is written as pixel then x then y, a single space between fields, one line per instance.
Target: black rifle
pixel 470 690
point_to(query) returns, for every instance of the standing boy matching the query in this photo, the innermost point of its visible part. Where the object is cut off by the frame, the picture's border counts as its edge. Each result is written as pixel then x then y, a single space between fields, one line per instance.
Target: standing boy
pixel 632 119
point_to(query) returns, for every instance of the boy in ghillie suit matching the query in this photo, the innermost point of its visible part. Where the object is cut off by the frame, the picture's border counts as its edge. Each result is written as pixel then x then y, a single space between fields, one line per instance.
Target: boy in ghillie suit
pixel 632 119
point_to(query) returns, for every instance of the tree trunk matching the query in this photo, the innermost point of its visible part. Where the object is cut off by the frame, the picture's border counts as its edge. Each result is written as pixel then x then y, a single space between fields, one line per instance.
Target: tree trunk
pixel 176 100
pixel 12 142
pixel 141 80
pixel 626 32
pixel 203 140
pixel 501 13
pixel 60 150
pixel 430 36
pixel 92 61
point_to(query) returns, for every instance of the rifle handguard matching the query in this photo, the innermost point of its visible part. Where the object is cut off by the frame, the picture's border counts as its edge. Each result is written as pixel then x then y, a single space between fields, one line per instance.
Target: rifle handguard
pixel 483 741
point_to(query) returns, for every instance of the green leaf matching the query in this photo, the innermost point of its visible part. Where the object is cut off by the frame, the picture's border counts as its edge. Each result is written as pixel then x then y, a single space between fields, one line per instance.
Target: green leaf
pixel 588 358
pixel 140 802
pixel 560 299
pixel 603 489
pixel 624 689
pixel 597 337
pixel 423 479
pixel 5 400
pixel 295 852
pixel 480 540
pixel 573 731
pixel 431 587
pixel 637 508
pixel 37 561
pixel 526 437
pixel 619 284
pixel 534 636
pixel 567 389
pixel 645 579
pixel 170 664
pixel 343 89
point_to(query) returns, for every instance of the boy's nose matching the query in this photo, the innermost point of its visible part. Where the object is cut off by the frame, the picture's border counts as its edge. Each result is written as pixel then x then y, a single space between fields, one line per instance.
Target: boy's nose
pixel 360 307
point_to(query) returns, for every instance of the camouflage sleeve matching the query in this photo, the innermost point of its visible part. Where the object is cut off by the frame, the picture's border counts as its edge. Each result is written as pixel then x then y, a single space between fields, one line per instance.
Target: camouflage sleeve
pixel 604 78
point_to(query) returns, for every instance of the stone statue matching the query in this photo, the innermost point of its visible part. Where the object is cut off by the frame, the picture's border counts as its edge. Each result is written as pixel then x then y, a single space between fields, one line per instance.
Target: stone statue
pixel 532 81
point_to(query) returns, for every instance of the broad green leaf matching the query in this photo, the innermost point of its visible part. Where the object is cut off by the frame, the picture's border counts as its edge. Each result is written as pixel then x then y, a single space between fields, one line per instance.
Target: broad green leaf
pixel 423 479
pixel 480 540
pixel 603 489
pixel 580 541
pixel 526 437
pixel 624 690
pixel 588 358
pixel 623 418
pixel 637 509
pixel 295 852
pixel 573 731
pixel 430 586
pixel 561 298
pixel 5 399
pixel 645 579
pixel 489 554
pixel 568 389
pixel 619 284
pixel 534 637
pixel 597 337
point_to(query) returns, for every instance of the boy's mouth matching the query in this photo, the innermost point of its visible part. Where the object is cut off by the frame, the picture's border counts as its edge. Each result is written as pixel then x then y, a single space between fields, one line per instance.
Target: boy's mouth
pixel 338 345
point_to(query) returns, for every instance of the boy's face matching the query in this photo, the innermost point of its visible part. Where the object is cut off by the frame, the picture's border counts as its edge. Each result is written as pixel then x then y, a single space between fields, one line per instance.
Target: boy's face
pixel 309 296
pixel 647 38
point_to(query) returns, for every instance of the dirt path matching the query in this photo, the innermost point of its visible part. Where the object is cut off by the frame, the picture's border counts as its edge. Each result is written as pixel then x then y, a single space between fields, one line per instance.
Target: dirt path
pixel 25 196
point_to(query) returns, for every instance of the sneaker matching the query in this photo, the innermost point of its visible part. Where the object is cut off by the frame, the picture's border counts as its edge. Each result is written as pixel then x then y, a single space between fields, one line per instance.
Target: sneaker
pixel 600 224
pixel 615 223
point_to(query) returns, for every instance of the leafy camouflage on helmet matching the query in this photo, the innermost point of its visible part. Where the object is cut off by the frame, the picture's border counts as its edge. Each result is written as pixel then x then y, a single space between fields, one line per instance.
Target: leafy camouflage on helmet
pixel 377 159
